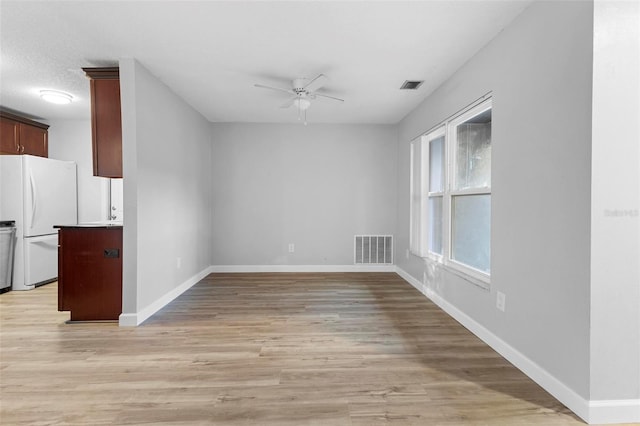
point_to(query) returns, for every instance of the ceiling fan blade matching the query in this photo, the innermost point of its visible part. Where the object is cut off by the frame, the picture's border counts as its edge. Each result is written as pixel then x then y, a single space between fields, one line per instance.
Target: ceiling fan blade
pixel 316 83
pixel 280 89
pixel 288 103
pixel 329 97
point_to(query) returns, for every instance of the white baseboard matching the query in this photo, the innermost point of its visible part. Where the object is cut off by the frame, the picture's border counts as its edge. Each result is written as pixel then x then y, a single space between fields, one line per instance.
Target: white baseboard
pixel 301 268
pixel 132 320
pixel 614 411
pixel 128 320
pixel 610 411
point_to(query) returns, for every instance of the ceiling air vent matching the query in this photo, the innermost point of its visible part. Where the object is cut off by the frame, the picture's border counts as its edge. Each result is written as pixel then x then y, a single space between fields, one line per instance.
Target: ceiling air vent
pixel 411 85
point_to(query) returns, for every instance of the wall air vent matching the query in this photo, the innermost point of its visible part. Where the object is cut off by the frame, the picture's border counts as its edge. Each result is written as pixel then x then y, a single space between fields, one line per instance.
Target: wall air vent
pixel 373 249
pixel 411 84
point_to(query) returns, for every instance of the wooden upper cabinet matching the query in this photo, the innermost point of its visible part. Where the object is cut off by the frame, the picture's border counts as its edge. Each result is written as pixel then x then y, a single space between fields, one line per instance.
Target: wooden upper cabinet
pixel 106 121
pixel 34 140
pixel 9 133
pixel 20 135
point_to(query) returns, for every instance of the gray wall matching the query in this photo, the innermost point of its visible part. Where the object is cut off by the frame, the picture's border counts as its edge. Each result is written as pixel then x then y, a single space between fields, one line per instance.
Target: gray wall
pixel 71 140
pixel 315 186
pixel 167 188
pixel 539 70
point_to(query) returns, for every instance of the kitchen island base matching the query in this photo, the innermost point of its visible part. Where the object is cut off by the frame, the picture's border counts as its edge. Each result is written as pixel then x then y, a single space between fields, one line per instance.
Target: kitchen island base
pixel 90 272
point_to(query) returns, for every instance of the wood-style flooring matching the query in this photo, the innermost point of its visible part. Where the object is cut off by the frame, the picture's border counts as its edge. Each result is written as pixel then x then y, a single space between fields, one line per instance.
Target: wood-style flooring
pixel 263 349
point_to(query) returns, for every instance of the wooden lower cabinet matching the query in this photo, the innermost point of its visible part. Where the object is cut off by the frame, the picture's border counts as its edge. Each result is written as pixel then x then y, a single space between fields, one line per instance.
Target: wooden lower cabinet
pixel 90 272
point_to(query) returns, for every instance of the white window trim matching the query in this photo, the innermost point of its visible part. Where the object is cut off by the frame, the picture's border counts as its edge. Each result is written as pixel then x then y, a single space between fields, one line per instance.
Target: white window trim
pixel 420 247
pixel 437 132
pixel 416 243
pixel 468 113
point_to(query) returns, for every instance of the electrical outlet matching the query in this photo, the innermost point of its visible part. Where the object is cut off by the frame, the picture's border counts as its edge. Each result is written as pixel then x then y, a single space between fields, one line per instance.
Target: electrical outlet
pixel 178 262
pixel 292 248
pixel 501 301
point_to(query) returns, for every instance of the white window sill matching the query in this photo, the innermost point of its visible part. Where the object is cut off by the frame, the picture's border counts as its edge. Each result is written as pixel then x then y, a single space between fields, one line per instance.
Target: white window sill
pixel 484 283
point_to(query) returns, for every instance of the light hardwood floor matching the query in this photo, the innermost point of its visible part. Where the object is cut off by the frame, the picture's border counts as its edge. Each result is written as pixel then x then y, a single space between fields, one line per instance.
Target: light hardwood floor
pixel 263 349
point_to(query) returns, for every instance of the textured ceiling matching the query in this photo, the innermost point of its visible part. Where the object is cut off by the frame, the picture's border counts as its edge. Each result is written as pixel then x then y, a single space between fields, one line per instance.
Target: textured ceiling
pixel 211 53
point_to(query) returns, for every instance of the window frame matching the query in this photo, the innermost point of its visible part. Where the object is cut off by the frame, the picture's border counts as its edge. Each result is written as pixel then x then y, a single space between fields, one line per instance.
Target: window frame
pixel 416 225
pixel 436 133
pixel 452 192
pixel 448 129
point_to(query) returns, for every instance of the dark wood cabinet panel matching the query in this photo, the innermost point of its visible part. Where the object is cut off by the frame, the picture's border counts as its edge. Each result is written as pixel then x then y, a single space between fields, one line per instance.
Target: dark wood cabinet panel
pixel 90 272
pixel 106 121
pixel 9 136
pixel 34 140
pixel 20 135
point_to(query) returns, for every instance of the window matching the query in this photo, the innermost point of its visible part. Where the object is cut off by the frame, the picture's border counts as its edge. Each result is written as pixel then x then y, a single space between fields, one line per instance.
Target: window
pixel 451 193
pixel 436 191
pixel 415 195
pixel 471 188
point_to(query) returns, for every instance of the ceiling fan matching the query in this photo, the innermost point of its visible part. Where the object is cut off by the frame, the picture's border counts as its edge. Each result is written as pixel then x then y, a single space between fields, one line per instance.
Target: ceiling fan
pixel 303 91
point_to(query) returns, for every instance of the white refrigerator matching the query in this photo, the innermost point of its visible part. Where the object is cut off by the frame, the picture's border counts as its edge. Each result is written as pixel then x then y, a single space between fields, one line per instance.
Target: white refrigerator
pixel 37 193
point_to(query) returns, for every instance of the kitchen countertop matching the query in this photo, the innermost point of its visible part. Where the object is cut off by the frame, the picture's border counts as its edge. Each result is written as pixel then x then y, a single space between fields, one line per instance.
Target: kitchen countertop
pixel 102 224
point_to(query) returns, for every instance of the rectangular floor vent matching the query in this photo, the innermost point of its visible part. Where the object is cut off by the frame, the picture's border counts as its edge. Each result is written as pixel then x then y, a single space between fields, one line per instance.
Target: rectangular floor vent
pixel 373 249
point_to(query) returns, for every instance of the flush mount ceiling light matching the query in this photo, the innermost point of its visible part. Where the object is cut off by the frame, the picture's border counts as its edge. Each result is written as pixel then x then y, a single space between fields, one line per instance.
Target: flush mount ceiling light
pixel 56 97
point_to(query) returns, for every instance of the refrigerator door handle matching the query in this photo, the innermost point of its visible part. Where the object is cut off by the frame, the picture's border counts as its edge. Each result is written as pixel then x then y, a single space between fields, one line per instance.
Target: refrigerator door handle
pixel 33 199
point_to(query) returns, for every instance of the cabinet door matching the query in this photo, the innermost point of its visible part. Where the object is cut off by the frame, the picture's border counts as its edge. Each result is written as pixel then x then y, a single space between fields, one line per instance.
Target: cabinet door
pixel 106 128
pixel 34 140
pixel 9 131
pixel 90 273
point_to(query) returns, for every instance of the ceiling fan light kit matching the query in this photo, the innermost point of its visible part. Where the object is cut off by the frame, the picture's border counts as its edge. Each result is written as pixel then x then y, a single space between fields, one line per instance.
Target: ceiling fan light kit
pixel 303 92
pixel 302 103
